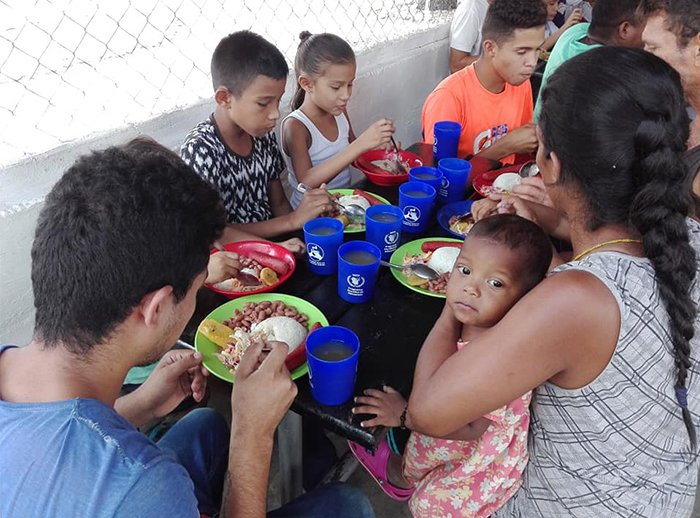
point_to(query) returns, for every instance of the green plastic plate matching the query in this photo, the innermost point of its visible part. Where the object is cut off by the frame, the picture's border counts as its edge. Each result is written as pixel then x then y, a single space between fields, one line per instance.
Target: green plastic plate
pixel 414 248
pixel 354 229
pixel 225 311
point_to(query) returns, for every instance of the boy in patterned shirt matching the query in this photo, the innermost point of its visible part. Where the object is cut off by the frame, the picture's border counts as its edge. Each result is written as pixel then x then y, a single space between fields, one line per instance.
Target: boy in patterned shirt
pixel 236 150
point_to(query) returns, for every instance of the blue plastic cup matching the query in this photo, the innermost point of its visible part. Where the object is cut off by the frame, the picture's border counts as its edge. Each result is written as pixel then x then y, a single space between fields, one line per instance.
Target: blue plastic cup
pixel 426 174
pixel 332 377
pixel 455 175
pixel 323 236
pixel 358 266
pixel 383 228
pixel 416 200
pixel 446 141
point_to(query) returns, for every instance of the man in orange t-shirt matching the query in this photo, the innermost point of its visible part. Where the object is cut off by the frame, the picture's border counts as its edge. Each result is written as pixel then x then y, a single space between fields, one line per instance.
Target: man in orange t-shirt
pixel 492 99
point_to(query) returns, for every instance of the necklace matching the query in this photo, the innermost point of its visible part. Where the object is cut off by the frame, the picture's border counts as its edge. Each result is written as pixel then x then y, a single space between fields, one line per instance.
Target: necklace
pixel 605 243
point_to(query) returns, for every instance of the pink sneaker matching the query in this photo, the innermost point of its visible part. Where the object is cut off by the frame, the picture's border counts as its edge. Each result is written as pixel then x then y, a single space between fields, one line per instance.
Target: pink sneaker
pixel 376 465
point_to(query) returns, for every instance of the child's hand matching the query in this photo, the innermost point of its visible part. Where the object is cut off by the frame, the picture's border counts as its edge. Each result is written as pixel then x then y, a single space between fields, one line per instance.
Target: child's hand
pixel 386 404
pixel 575 17
pixel 314 203
pixel 294 245
pixel 377 135
pixel 222 266
pixel 485 207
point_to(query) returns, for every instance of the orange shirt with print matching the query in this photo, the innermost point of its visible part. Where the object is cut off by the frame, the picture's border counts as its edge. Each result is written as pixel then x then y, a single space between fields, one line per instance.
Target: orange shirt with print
pixel 485 117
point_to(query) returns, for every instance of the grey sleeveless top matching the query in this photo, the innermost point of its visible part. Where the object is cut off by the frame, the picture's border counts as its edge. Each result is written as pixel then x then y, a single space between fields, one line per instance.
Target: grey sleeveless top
pixel 618 446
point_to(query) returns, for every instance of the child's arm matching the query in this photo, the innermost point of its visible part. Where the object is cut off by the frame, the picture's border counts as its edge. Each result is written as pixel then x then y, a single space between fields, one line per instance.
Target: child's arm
pixel 573 19
pixel 296 141
pixel 387 406
pixel 314 203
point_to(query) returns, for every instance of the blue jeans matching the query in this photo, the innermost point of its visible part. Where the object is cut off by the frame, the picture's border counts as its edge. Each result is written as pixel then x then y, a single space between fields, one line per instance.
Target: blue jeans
pixel 199 441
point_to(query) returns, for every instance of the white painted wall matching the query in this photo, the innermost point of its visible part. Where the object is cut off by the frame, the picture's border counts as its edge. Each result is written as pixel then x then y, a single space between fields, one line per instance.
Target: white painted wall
pixel 393 80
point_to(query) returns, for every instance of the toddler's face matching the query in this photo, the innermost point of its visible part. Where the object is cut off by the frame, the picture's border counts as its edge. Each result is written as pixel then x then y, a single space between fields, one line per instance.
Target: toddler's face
pixel 256 110
pixel 331 90
pixel 484 282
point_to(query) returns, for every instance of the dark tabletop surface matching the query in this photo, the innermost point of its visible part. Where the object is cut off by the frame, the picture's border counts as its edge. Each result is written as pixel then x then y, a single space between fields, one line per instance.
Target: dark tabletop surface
pixel 391 327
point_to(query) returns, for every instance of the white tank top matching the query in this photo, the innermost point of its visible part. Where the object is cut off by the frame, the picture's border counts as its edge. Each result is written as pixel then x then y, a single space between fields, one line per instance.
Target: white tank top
pixel 321 150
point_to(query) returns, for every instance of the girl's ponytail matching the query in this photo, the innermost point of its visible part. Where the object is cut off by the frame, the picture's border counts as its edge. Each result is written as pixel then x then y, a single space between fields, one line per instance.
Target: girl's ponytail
pixel 313 53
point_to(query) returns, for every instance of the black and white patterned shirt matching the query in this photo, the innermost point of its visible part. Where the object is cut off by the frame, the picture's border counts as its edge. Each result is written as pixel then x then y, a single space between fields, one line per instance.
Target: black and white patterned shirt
pixel 242 181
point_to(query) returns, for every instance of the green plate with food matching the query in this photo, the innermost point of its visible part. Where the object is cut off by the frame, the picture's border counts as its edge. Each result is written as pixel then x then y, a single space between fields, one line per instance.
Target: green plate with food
pixel 440 253
pixel 273 316
pixel 359 197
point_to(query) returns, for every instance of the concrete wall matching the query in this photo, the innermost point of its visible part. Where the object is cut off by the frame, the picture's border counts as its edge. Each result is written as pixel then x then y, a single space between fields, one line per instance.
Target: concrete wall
pixel 393 80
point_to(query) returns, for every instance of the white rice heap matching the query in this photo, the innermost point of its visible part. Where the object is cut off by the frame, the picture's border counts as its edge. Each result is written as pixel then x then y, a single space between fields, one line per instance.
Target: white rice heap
pixel 281 329
pixel 443 259
pixel 506 182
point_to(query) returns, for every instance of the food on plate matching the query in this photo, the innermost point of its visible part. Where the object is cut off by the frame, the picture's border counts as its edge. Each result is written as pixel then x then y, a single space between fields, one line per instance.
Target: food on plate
pixel 266 320
pixel 461 223
pixel 391 167
pixel 443 259
pixel 358 197
pixel 439 258
pixel 255 274
pixel 216 332
pixel 506 182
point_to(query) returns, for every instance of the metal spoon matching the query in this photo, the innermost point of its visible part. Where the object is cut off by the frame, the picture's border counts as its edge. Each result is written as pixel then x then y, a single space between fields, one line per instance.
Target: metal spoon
pixel 353 211
pixel 420 270
pixel 399 167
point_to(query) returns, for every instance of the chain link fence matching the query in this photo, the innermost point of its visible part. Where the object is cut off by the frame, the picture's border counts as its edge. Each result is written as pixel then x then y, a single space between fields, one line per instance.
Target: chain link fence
pixel 71 68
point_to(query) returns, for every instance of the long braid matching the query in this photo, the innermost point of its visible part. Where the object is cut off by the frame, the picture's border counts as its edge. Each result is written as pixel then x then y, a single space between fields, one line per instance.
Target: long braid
pixel 658 212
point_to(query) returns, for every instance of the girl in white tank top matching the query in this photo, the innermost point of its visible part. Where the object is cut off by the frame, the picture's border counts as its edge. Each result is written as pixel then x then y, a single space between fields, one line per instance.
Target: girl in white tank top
pixel 317 139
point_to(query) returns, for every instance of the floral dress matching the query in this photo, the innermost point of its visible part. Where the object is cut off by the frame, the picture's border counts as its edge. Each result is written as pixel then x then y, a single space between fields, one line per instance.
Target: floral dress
pixel 469 478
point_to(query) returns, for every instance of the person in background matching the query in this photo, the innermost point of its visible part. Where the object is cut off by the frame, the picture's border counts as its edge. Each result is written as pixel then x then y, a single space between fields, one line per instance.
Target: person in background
pixel 615 22
pixel 465 33
pixel 492 98
pixel 552 32
pixel 236 150
pixel 317 138
pixel 120 250
pixel 673 34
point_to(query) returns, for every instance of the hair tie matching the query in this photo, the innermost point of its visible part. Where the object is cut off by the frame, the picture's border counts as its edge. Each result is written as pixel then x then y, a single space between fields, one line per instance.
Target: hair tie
pixel 682 396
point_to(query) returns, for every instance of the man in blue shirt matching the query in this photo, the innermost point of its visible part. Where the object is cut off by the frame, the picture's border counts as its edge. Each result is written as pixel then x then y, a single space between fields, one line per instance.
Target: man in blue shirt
pixel 120 250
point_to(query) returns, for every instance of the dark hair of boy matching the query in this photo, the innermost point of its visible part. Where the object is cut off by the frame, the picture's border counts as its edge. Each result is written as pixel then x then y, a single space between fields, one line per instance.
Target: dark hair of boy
pixel 630 172
pixel 242 56
pixel 119 224
pixel 522 235
pixel 506 16
pixel 682 17
pixel 314 52
pixel 609 14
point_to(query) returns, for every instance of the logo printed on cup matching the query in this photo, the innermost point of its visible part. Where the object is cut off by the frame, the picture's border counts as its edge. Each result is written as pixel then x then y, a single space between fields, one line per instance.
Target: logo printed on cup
pixel 315 254
pixel 411 215
pixel 391 238
pixel 355 284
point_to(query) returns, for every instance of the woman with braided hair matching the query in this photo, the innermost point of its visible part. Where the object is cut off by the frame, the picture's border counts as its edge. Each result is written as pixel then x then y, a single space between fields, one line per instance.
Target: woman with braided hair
pixel 609 341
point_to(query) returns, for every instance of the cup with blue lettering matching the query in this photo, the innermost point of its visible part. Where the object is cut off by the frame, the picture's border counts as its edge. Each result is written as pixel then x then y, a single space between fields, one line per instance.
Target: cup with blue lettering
pixel 332 353
pixel 446 143
pixel 426 174
pixel 358 267
pixel 383 228
pixel 323 236
pixel 455 175
pixel 416 200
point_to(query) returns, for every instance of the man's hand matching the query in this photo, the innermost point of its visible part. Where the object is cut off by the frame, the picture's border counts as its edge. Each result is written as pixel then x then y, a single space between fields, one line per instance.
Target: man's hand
pixel 263 391
pixel 179 374
pixel 386 405
pixel 314 203
pixel 222 266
